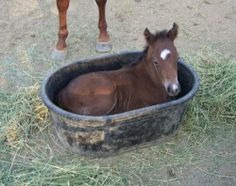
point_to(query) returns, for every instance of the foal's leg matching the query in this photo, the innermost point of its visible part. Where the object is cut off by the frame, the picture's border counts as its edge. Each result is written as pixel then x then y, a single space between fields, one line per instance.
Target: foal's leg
pixel 103 44
pixel 59 52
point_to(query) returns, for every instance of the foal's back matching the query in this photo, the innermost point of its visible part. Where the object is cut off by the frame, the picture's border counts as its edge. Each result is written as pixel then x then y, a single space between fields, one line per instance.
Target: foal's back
pixel 110 92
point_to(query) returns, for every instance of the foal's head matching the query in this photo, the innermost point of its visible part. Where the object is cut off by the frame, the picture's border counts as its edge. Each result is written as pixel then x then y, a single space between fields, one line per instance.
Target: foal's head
pixel 163 56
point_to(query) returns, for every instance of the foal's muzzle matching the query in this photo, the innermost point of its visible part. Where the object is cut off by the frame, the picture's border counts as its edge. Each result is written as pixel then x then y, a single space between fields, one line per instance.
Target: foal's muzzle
pixel 173 89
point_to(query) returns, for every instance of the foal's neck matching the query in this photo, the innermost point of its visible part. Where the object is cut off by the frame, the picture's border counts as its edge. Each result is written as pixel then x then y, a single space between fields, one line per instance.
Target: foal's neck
pixel 147 69
pixel 141 65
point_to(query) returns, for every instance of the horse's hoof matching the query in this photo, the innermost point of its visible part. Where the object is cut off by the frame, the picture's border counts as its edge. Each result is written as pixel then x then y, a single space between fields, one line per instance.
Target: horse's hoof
pixel 59 54
pixel 103 46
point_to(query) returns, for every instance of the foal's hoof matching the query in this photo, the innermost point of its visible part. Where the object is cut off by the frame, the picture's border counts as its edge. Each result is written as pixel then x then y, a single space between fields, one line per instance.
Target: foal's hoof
pixel 103 46
pixel 59 54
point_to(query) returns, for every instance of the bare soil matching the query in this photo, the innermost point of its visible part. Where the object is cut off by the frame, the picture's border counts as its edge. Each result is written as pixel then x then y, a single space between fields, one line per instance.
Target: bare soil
pixel 29 29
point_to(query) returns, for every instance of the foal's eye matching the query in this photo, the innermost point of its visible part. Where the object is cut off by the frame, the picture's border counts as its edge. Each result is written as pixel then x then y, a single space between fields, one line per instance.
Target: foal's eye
pixel 155 62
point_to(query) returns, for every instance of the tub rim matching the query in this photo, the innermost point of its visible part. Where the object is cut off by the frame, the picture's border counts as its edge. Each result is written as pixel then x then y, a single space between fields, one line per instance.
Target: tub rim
pixel 141 111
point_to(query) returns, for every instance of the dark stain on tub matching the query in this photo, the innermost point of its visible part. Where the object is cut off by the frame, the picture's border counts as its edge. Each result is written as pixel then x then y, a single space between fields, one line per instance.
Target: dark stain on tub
pixel 132 133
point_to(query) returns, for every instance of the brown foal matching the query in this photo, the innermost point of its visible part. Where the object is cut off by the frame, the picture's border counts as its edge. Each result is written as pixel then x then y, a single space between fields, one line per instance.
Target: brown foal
pixel 148 82
pixel 103 42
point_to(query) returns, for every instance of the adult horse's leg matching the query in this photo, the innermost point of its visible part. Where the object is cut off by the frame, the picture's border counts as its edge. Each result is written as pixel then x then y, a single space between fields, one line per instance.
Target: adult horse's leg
pixel 103 43
pixel 59 52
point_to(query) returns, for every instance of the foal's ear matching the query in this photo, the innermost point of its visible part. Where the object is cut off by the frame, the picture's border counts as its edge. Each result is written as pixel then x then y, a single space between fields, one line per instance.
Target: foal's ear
pixel 172 33
pixel 150 38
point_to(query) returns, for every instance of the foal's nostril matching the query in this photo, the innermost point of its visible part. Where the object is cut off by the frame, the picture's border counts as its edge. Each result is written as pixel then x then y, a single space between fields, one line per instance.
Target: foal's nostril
pixel 173 89
pixel 169 89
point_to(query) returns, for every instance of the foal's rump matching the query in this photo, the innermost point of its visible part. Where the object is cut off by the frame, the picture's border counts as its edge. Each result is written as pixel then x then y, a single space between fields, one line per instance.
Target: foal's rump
pixel 89 94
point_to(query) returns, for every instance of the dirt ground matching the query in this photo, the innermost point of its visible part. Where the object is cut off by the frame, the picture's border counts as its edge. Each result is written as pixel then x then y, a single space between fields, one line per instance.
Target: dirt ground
pixel 28 31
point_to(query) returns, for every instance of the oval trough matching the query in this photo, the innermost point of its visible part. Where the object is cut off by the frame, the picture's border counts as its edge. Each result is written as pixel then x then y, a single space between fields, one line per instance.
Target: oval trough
pixel 111 134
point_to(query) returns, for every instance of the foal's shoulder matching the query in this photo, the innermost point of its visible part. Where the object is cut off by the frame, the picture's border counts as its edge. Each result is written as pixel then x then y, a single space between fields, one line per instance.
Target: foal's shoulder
pixel 92 84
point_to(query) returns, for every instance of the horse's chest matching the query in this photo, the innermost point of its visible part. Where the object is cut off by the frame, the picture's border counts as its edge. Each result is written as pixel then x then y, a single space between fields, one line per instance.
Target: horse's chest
pixel 132 97
pixel 151 95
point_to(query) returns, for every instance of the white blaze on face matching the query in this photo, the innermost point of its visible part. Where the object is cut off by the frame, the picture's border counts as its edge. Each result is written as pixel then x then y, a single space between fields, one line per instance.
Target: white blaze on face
pixel 165 53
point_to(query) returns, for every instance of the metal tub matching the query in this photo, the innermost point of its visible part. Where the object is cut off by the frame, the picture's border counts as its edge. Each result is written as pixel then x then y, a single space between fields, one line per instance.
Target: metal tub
pixel 106 135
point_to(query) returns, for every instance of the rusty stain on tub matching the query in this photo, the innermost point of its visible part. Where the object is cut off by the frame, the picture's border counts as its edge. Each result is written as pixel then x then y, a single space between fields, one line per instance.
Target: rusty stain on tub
pixel 85 137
